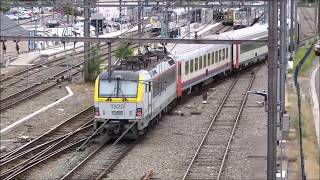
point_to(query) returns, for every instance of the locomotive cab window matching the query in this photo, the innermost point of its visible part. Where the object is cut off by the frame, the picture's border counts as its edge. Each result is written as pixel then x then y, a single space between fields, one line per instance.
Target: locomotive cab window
pixel 118 88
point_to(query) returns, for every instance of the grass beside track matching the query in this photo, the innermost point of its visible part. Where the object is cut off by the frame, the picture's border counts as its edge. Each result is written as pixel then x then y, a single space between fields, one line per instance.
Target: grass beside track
pixel 311 151
pixel 299 55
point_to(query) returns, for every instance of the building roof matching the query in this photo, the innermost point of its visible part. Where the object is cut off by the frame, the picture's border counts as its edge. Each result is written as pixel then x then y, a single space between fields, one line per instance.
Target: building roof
pixel 9 27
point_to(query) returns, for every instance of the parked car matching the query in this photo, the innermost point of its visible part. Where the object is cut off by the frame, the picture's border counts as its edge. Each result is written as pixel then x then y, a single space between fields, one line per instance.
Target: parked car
pixel 52 23
pixel 12 17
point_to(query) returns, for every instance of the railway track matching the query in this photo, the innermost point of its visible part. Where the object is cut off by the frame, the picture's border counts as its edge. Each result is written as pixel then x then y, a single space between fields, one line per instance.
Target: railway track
pixel 68 134
pixel 34 89
pixel 209 159
pixel 42 85
pixel 41 73
pixel 101 161
pixel 308 19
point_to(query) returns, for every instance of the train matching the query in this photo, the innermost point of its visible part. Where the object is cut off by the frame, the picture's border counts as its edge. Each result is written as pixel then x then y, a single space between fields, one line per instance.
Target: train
pixel 243 17
pixel 139 92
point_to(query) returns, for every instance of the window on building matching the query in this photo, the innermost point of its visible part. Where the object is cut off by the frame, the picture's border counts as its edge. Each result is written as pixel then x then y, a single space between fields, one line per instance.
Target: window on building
pixel 186 68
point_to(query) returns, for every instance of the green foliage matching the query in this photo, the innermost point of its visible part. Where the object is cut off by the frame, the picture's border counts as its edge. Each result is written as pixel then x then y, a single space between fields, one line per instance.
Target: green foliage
pixel 5 9
pixel 299 55
pixel 123 51
pixel 93 65
pixel 72 11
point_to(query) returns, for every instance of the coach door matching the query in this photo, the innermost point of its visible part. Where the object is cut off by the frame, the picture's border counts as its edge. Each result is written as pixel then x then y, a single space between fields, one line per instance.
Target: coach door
pixel 149 97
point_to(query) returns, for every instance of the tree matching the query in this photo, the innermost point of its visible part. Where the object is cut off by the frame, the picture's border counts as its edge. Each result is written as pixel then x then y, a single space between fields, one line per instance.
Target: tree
pixel 123 51
pixel 5 9
pixel 94 65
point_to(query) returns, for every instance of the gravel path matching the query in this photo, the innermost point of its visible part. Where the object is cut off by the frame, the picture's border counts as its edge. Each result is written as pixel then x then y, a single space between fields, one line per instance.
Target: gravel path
pixel 46 120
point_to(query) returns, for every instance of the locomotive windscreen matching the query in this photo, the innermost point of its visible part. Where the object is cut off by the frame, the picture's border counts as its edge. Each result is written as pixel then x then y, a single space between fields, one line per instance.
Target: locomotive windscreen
pixel 118 88
pixel 122 84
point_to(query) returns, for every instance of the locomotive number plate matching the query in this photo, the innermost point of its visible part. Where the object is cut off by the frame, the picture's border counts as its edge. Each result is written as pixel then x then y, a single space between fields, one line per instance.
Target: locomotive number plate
pixel 117 113
pixel 117 106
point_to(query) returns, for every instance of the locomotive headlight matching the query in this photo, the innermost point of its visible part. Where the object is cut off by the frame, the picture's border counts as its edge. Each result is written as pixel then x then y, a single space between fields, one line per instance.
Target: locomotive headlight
pixel 96 111
pixel 139 112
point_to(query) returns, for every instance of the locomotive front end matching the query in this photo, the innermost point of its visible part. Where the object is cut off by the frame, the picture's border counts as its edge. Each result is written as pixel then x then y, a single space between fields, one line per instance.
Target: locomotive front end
pixel 118 103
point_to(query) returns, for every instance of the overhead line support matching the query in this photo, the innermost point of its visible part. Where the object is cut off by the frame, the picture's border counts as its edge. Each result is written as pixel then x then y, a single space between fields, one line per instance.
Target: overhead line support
pixel 272 89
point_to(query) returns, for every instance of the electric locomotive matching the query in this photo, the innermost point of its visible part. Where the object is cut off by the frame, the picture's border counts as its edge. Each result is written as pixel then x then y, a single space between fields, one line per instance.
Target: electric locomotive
pixel 137 96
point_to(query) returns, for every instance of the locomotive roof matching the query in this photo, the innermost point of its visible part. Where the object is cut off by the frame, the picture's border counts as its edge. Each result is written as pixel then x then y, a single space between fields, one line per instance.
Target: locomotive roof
pixel 130 75
pixel 188 51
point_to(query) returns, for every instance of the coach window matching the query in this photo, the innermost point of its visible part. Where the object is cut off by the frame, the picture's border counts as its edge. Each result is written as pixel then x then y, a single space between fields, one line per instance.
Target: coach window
pixel 186 68
pixel 208 57
pixel 212 58
pixel 204 61
pixel 196 65
pixel 191 65
pixel 219 55
pixel 223 54
pixel 200 62
pixel 216 57
pixel 227 53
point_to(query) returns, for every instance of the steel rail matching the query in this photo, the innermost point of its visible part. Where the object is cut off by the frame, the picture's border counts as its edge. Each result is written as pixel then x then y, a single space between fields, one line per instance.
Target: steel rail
pixel 91 155
pixel 307 18
pixel 209 127
pixel 41 65
pixel 118 159
pixel 6 78
pixel 74 144
pixel 46 134
pixel 26 164
pixel 7 101
pixel 235 125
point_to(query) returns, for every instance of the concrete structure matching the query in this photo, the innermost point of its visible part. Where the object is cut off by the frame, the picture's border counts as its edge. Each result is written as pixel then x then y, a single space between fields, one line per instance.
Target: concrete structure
pixel 10 27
